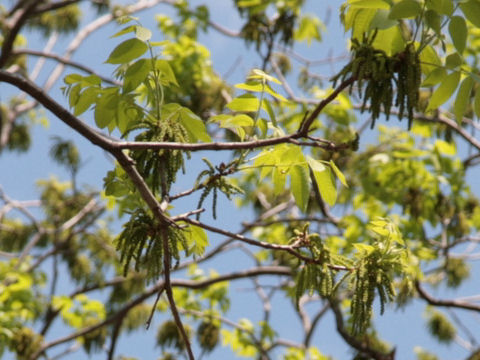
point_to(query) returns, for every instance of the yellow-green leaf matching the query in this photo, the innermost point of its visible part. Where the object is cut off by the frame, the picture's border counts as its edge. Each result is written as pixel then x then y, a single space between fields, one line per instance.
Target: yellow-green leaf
pixel 338 173
pixel 300 186
pixel 471 10
pixel 463 98
pixel 405 9
pixel 246 103
pixel 325 181
pixel 142 33
pixel 370 4
pixel 458 32
pixel 444 91
pixel 362 21
pixel 476 104
pixel 445 148
pixel 127 51
pixel 259 74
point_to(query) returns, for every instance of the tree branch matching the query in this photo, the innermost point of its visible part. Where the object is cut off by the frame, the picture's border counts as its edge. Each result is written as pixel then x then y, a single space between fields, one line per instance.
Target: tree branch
pixel 191 284
pixel 447 303
pixel 354 342
pixel 18 22
pixel 288 248
pixel 65 62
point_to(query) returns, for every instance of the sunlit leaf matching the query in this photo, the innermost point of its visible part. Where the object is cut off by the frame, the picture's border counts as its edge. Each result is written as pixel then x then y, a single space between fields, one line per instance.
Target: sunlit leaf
pixel 458 32
pixel 463 98
pixel 444 91
pixel 127 51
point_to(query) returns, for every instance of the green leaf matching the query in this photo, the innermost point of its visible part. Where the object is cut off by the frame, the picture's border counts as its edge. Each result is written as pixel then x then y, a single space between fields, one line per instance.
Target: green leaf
pixel 338 173
pixel 234 122
pixel 471 10
pixel 324 180
pixel 370 4
pixel 142 33
pixel 260 74
pixel 433 20
pixel 197 239
pixel 256 86
pixel 476 103
pixel 194 125
pixel 168 76
pixel 364 248
pixel 74 95
pixel 362 21
pixel 127 51
pixel 136 73
pixel 300 186
pixel 309 29
pixel 463 98
pixel 444 91
pixel 105 110
pixel 445 148
pixel 458 32
pixel 429 60
pixel 389 40
pixel 453 60
pixel 434 77
pixel 405 9
pixel 445 7
pixel 87 98
pixel 125 30
pixel 266 105
pixel 72 79
pixel 246 103
pixel 381 21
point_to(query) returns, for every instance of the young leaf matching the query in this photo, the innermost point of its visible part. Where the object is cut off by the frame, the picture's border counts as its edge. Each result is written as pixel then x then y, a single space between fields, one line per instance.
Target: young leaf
pixel 362 22
pixel 444 91
pixel 458 32
pixel 476 104
pixel 405 9
pixel 125 30
pixel 445 148
pixel 266 105
pixel 300 185
pixel 245 103
pixel 136 74
pixel 370 4
pixel 259 74
pixel 338 173
pixel 325 182
pixel 471 10
pixel 309 29
pixel 168 76
pixel 127 51
pixel 194 125
pixel 142 33
pixel 463 98
pixel 87 98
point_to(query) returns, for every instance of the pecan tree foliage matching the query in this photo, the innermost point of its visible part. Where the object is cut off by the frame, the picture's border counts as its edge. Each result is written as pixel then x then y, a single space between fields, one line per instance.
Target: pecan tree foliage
pixel 337 227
